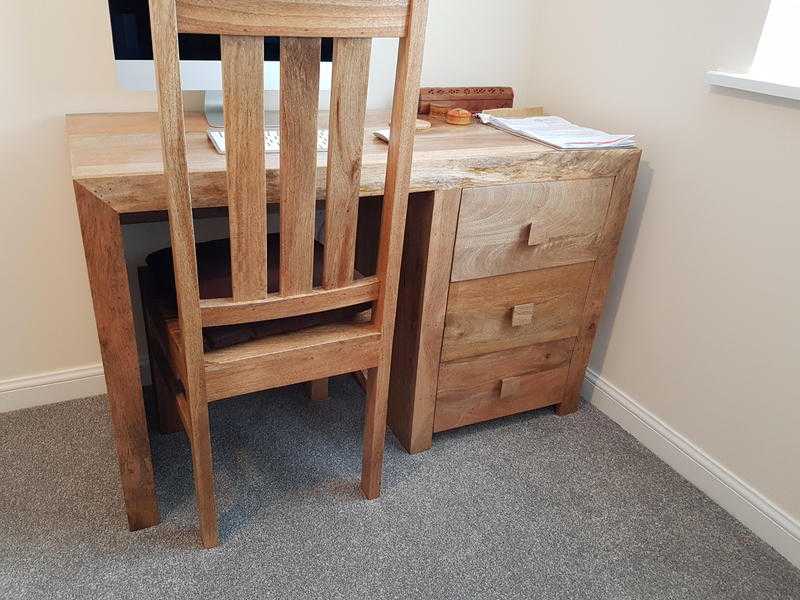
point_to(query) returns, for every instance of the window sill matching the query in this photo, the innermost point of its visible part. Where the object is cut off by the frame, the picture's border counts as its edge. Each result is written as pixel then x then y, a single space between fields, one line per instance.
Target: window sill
pixel 750 83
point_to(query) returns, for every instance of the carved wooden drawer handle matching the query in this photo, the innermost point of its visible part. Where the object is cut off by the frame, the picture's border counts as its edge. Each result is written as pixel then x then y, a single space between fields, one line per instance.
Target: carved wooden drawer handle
pixel 509 387
pixel 536 237
pixel 522 315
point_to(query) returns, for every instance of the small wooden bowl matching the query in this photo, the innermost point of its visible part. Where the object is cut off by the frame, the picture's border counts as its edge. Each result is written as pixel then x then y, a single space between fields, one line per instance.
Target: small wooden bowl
pixel 439 111
pixel 459 116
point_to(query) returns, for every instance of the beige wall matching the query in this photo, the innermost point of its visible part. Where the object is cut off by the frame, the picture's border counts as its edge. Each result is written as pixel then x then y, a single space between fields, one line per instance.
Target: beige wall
pixel 56 58
pixel 702 327
pixel 54 61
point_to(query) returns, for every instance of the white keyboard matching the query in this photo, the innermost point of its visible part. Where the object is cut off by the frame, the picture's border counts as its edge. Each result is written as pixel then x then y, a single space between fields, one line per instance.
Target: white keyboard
pixel 272 140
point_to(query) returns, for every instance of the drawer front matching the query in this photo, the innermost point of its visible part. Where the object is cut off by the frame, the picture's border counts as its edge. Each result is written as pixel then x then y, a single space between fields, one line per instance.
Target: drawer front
pixel 511 311
pixel 514 228
pixel 499 384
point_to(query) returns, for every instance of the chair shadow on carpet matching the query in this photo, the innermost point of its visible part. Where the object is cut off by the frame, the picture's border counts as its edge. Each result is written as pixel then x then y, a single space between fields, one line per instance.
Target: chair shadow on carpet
pixel 270 448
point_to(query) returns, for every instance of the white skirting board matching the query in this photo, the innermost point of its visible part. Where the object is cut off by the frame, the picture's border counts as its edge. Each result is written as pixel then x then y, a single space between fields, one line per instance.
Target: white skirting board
pixel 737 497
pixel 748 505
pixel 49 388
pixel 57 386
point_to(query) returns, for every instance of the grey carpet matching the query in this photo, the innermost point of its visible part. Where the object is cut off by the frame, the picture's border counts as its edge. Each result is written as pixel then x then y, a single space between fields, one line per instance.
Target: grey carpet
pixel 533 506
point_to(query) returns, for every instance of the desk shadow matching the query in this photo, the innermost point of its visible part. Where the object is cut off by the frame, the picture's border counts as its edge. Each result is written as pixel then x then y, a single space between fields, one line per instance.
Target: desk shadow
pixel 269 449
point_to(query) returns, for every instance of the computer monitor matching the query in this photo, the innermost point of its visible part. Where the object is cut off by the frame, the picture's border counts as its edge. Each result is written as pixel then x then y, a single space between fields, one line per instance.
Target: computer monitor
pixel 200 57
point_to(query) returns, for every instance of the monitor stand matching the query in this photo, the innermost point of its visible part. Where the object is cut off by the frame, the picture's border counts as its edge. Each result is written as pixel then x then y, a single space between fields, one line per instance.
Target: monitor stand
pixel 212 107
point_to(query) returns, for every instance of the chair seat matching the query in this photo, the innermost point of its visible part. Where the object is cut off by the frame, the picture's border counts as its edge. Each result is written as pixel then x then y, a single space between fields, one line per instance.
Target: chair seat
pixel 319 351
pixel 214 279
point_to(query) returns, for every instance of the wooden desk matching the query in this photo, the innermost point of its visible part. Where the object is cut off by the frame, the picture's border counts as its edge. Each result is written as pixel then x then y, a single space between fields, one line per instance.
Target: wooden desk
pixel 465 252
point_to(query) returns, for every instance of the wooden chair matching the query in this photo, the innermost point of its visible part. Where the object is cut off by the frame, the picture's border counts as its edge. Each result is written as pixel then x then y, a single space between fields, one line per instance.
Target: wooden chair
pixel 323 350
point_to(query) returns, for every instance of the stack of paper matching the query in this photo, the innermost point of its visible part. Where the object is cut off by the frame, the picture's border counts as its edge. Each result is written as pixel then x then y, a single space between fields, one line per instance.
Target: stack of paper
pixel 558 132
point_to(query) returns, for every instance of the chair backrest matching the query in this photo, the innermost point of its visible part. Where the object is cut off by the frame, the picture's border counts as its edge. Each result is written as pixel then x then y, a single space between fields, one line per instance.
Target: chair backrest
pixel 242 25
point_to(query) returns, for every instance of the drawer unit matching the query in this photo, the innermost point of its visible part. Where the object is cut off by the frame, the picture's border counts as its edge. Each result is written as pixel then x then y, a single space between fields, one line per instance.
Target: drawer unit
pixel 527 226
pixel 503 287
pixel 510 311
pixel 503 383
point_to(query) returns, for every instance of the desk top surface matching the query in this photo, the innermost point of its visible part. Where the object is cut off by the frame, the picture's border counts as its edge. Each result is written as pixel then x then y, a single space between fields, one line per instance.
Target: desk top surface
pixel 117 156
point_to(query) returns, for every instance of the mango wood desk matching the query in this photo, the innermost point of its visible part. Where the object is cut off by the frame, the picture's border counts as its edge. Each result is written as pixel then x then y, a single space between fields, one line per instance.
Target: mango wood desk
pixel 508 255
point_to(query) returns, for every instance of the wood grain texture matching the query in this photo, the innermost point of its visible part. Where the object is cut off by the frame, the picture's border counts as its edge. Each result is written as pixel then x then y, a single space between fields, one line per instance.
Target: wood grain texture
pixel 291 358
pixel 484 403
pixel 228 312
pixel 318 390
pixel 498 384
pixel 474 371
pixel 474 99
pixel 522 315
pixel 510 387
pixel 118 158
pixel 182 407
pixel 480 312
pixel 297 18
pixel 522 227
pixel 108 281
pixel 568 209
pixel 390 248
pixel 398 166
pixel 243 83
pixel 598 286
pixel 168 419
pixel 374 430
pixel 458 116
pixel 421 307
pixel 298 155
pixel 351 59
pixel 179 206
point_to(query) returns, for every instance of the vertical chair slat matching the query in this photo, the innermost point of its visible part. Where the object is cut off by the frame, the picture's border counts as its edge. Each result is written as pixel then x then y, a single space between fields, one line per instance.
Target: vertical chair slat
pixel 398 165
pixel 300 58
pixel 351 58
pixel 243 83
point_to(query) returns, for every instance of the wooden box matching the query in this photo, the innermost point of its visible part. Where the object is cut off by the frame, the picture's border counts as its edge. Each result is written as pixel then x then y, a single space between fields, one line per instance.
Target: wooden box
pixel 474 99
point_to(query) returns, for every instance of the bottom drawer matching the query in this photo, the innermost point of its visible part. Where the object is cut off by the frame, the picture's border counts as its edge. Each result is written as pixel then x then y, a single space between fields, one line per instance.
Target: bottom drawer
pixel 481 388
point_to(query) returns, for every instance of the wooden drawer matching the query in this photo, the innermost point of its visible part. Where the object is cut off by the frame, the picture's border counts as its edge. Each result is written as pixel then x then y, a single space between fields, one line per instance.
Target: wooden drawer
pixel 510 311
pixel 501 383
pixel 513 228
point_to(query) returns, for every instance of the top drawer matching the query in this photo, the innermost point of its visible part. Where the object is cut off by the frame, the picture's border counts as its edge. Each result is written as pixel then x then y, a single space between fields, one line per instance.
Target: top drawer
pixel 527 226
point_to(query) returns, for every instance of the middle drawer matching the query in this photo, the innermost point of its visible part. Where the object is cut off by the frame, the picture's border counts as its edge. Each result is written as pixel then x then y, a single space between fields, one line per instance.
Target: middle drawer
pixel 510 311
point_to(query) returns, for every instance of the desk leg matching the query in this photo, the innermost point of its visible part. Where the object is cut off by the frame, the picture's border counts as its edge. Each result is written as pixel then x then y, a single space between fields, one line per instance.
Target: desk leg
pixel 108 280
pixel 421 306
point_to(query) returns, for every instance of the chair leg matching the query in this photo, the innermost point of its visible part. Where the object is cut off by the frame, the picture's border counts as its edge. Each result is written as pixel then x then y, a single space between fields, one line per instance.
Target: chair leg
pixel 318 390
pixel 361 379
pixel 374 430
pixel 202 466
pixel 169 421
